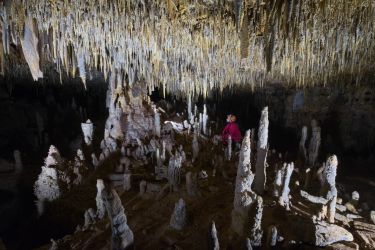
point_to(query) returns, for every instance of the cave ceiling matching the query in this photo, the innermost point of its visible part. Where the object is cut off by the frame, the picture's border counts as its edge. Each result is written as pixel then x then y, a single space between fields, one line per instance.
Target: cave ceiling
pixel 191 46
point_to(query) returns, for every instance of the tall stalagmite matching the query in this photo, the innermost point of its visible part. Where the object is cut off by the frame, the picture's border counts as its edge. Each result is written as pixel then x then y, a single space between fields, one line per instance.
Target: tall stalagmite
pixel 243 194
pixel 262 147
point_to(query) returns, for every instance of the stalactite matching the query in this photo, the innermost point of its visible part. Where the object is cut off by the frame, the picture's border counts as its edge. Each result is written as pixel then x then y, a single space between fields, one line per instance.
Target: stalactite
pixel 284 40
pixel 262 148
pixel 29 44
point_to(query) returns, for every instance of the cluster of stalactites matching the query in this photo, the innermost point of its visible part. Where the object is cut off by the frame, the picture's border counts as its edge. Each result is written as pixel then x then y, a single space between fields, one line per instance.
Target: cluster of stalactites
pixel 192 46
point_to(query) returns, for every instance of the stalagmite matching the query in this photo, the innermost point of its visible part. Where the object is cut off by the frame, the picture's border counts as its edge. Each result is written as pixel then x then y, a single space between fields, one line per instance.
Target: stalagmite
pixel 157 122
pixel 213 239
pixel 278 182
pixel 204 119
pixel 256 232
pixel 127 182
pixel 17 161
pixel 262 147
pixel 174 171
pixel 80 156
pixel 142 187
pixel 190 114
pixel 95 161
pixel 248 244
pixel 78 178
pixel 229 148
pixel 329 177
pixel 88 130
pixel 195 146
pixel 178 218
pixel 191 184
pixel 302 143
pixel 90 217
pixel 272 236
pixel 243 195
pixel 47 185
pixel 53 157
pixel 284 198
pixel 100 208
pixel 314 143
pixel 122 235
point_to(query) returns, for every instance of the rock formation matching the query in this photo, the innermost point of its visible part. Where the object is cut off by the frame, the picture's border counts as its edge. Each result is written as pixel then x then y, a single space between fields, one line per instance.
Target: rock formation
pixel 329 177
pixel 326 234
pixel 178 218
pixel 213 239
pixel 88 131
pixel 174 171
pixel 243 194
pixel 122 235
pixel 47 185
pixel 314 143
pixel 302 143
pixel 229 148
pixel 272 236
pixel 100 208
pixel 195 146
pixel 262 148
pixel 256 232
pixel 192 184
pixel 284 198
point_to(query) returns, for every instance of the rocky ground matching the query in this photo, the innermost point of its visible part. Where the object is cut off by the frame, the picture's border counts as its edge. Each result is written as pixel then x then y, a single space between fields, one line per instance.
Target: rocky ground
pixel 149 204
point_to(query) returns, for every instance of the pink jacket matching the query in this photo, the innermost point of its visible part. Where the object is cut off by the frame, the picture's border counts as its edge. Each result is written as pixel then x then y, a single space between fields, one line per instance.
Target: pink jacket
pixel 232 130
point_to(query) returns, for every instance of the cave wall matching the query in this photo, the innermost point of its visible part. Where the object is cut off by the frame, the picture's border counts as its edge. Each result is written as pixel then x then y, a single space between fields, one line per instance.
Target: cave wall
pixel 26 104
pixel 346 114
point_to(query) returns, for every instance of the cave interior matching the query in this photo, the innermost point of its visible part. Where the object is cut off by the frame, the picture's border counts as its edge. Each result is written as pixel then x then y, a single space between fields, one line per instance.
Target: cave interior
pixel 187 124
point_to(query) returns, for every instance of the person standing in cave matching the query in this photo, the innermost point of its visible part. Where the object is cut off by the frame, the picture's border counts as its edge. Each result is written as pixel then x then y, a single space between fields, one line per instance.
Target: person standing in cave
pixel 232 130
